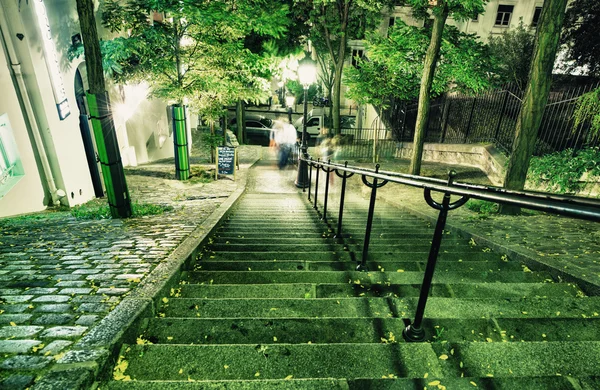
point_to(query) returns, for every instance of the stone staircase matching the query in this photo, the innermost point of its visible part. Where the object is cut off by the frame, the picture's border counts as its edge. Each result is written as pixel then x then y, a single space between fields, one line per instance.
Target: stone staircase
pixel 274 302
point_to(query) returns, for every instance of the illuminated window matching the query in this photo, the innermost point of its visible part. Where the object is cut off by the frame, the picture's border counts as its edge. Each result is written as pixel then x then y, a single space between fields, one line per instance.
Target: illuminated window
pixel 504 14
pixel 11 168
pixel 536 16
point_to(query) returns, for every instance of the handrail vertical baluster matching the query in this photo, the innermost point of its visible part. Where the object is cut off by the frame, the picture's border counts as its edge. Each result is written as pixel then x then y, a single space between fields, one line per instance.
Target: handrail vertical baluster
pixel 328 172
pixel 310 164
pixel 317 184
pixel 414 332
pixel 363 262
pixel 344 176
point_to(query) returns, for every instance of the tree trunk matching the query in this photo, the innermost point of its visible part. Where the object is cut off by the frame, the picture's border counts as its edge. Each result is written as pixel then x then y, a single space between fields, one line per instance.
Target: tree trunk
pixel 101 116
pixel 536 96
pixel 240 115
pixel 431 58
pixel 337 88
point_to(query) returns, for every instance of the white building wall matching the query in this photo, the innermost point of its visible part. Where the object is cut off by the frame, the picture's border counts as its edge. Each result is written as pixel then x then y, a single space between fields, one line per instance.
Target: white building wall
pixel 27 194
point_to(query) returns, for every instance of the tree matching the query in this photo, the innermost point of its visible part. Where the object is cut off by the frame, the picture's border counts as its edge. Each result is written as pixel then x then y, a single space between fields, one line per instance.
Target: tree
pixel 333 24
pixel 102 121
pixel 588 109
pixel 192 52
pixel 514 49
pixel 441 9
pixel 536 96
pixel 393 65
pixel 581 30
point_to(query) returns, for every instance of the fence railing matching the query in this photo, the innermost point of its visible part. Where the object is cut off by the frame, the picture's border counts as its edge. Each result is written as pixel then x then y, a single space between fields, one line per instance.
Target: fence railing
pixel 588 209
pixel 492 117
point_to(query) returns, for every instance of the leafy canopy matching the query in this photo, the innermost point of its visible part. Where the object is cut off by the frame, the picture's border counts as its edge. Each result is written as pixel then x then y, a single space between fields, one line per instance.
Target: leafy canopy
pixel 395 64
pixel 514 49
pixel 580 34
pixel 194 50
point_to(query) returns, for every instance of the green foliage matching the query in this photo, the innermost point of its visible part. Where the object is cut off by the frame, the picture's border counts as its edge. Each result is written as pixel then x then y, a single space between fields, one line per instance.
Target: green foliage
pixel 99 209
pixel 395 65
pixel 482 207
pixel 588 109
pixel 580 34
pixel 196 53
pixel 561 171
pixel 513 49
pixel 458 9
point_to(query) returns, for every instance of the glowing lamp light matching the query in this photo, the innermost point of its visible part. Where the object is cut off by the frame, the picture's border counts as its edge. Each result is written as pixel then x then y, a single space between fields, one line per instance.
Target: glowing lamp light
pixel 307 71
pixel 289 101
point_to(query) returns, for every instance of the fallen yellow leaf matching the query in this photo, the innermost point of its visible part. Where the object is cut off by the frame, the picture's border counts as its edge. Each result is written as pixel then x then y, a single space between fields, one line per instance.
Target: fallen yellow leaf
pixel 287 378
pixel 444 357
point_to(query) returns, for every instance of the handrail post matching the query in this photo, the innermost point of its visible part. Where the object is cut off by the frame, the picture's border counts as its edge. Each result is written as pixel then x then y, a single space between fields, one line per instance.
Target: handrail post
pixel 310 164
pixel 316 184
pixel 363 262
pixel 344 176
pixel 328 171
pixel 414 331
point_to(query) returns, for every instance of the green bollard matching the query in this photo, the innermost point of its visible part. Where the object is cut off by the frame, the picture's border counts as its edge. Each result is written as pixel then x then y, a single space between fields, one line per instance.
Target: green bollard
pixel 182 157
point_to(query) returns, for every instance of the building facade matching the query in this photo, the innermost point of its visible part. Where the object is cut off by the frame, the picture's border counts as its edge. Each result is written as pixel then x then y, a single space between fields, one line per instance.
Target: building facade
pixel 47 153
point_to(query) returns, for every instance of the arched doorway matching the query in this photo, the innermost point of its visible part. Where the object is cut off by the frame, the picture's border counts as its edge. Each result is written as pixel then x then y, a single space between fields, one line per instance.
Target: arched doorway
pixel 86 135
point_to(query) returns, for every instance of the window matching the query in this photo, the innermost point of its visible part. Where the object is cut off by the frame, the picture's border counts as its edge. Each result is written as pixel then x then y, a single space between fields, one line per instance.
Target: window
pixel 391 22
pixel 536 16
pixel 504 14
pixel 11 168
pixel 356 54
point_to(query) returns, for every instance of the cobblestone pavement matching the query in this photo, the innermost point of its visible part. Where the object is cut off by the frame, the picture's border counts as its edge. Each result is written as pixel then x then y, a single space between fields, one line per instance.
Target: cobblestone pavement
pixel 60 277
pixel 570 247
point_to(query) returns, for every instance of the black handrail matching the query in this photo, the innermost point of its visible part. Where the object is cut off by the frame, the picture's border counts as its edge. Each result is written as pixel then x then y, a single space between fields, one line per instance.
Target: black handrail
pixel 580 208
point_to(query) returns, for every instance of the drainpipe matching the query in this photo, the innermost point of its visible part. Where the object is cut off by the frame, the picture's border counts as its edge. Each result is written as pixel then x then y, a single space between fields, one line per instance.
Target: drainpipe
pixel 55 194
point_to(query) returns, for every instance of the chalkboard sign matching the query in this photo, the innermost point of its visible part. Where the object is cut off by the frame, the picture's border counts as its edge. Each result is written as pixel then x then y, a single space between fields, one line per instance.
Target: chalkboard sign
pixel 226 160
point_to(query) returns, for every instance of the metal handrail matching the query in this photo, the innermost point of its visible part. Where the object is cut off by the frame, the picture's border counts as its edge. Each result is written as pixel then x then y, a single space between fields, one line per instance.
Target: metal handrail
pixel 588 209
pixel 581 208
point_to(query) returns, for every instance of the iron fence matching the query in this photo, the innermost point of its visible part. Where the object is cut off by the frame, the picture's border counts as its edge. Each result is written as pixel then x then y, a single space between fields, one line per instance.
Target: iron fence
pixel 492 117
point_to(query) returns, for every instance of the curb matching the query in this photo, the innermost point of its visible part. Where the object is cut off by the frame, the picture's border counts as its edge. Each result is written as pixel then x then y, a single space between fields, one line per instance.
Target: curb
pixel 90 357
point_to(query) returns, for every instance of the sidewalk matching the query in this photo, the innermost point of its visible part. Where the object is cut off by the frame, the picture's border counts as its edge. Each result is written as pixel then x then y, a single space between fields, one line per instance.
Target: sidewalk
pixel 68 288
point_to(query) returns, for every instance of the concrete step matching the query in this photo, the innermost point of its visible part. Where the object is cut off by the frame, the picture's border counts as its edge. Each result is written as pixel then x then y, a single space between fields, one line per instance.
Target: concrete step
pixel 364 278
pixel 394 383
pixel 391 307
pixel 279 361
pixel 364 330
pixel 376 256
pixel 345 290
pixel 443 266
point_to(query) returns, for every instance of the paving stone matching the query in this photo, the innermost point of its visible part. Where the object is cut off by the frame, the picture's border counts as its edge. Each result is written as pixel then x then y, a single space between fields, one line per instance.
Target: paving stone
pixel 55 347
pixel 72 283
pixel 16 318
pixel 70 379
pixel 10 291
pixel 100 277
pixel 64 332
pixel 42 291
pixel 25 362
pixel 93 308
pixel 14 308
pixel 112 291
pixel 76 291
pixel 54 319
pixel 87 271
pixel 52 298
pixel 87 320
pixel 62 277
pixel 53 308
pixel 17 346
pixel 15 298
pixel 130 276
pixel 16 382
pixel 20 331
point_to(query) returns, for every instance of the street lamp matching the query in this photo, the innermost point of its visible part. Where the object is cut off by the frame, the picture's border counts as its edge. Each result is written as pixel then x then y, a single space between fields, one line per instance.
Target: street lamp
pixel 307 75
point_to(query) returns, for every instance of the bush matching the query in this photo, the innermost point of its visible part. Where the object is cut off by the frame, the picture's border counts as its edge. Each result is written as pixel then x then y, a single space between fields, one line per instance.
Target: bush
pixel 561 171
pixel 482 207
